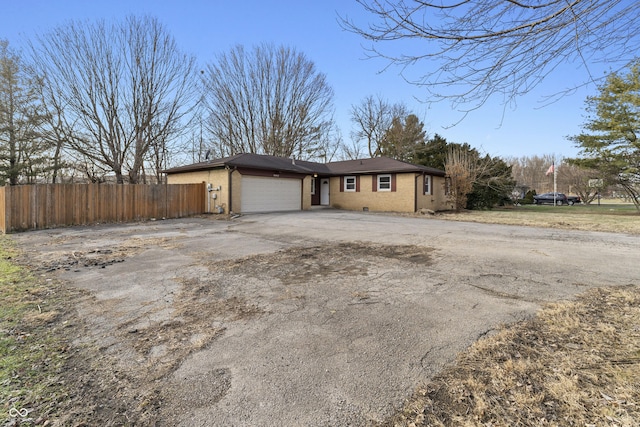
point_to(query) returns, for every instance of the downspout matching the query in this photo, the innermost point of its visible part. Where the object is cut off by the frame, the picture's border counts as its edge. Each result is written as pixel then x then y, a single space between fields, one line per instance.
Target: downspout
pixel 415 192
pixel 208 191
pixel 229 181
pixel 208 195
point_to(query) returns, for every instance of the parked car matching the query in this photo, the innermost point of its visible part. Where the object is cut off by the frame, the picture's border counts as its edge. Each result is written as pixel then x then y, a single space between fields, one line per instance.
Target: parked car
pixel 560 199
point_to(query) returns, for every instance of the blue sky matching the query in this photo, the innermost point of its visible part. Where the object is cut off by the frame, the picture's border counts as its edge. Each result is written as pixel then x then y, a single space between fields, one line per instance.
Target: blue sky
pixel 206 28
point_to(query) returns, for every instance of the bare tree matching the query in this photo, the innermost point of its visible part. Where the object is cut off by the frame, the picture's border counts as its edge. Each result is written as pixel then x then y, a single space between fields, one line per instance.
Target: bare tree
pixel 124 87
pixel 54 132
pixel 271 100
pixel 372 119
pixel 460 169
pixel 529 172
pixel 352 150
pixel 576 180
pixel 330 145
pixel 474 49
pixel 476 181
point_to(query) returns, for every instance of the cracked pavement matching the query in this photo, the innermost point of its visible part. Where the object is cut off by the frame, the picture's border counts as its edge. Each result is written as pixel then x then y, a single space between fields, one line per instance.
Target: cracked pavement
pixel 323 318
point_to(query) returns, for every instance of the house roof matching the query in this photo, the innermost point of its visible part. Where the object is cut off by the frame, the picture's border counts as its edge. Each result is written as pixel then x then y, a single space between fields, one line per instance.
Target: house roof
pixel 266 162
pixel 255 161
pixel 378 165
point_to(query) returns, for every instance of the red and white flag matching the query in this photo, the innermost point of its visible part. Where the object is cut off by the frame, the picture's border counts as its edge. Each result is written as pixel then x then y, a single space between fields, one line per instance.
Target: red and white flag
pixel 550 170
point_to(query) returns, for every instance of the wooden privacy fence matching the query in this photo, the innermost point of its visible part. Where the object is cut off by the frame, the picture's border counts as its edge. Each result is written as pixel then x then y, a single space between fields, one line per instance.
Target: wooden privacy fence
pixel 31 207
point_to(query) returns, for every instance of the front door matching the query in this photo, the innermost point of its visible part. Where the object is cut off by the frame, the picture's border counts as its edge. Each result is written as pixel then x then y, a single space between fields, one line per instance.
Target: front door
pixel 324 191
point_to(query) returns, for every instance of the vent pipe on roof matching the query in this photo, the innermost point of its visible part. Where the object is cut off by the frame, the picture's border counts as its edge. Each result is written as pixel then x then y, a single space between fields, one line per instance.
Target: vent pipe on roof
pixel 293 161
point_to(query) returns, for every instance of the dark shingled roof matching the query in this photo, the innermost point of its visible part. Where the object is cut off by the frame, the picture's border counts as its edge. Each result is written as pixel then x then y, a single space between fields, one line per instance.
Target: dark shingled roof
pixel 265 162
pixel 378 165
pixel 255 161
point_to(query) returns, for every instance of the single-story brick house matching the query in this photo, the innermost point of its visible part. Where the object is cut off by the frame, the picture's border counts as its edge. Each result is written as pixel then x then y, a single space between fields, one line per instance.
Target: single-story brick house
pixel 252 183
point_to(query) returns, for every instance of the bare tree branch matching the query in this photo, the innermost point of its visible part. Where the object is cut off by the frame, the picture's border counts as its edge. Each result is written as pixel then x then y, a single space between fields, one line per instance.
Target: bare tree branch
pixel 372 119
pixel 467 51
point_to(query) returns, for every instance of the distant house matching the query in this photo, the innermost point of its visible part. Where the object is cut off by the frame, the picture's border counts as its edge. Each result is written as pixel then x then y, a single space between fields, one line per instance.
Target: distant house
pixel 252 183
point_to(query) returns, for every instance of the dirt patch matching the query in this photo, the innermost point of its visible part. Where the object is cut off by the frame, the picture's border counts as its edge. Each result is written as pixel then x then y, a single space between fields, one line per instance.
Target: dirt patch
pixel 191 326
pixel 98 257
pixel 300 264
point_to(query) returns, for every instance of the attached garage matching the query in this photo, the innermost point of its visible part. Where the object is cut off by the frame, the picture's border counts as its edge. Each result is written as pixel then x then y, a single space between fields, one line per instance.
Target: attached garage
pixel 268 194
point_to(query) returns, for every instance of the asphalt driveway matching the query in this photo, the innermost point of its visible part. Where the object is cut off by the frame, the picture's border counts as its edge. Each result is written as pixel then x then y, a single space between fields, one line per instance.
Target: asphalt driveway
pixel 319 318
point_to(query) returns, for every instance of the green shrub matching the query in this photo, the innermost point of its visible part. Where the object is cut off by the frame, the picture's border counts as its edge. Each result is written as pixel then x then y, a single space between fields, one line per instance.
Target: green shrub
pixel 528 198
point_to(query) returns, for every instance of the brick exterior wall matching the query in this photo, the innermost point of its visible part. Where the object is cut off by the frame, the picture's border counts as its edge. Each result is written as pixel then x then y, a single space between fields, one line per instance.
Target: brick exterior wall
pixel 401 200
pixel 306 192
pixel 437 200
pixel 218 178
pixel 408 195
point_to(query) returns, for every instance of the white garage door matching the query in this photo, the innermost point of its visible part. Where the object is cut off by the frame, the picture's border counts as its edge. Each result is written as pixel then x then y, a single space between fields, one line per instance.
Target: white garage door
pixel 263 194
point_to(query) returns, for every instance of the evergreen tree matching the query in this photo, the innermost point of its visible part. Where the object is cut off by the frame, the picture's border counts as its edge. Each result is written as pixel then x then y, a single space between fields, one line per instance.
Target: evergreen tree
pixel 493 184
pixel 403 138
pixel 432 152
pixel 22 150
pixel 609 141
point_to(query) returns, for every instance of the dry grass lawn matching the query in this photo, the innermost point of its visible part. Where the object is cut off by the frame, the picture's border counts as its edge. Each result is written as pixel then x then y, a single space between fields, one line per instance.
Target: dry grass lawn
pixel 574 364
pixel 614 218
pixel 33 348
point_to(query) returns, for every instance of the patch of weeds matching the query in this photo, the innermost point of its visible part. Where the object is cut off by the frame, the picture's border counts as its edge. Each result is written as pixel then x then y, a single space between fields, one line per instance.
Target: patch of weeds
pixel 32 348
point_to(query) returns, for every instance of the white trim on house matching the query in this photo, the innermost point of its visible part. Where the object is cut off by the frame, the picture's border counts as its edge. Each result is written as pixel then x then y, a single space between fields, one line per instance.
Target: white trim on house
pixel 427 189
pixel 350 183
pixel 384 182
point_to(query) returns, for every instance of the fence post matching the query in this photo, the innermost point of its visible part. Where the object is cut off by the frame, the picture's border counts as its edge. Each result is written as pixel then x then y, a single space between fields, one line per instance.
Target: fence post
pixel 3 210
pixel 33 209
pixel 8 219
